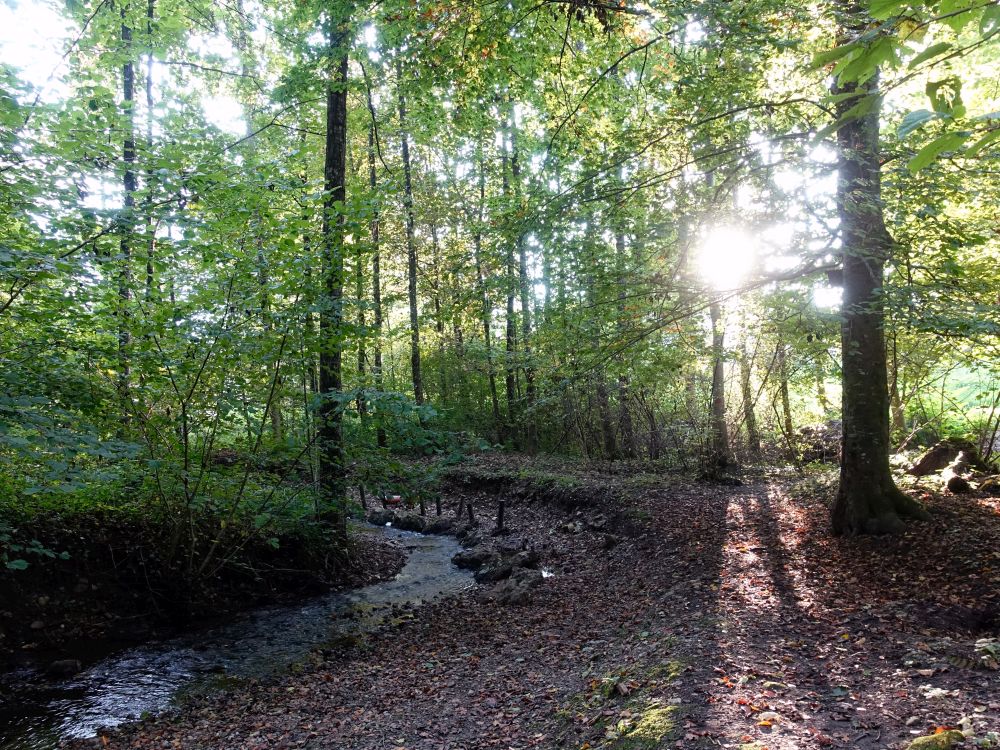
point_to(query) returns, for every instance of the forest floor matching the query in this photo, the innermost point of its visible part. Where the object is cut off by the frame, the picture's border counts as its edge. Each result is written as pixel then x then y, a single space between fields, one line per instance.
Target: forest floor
pixel 680 614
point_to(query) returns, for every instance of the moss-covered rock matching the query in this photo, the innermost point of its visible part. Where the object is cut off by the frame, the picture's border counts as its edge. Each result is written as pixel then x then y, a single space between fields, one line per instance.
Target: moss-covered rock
pixel 941 741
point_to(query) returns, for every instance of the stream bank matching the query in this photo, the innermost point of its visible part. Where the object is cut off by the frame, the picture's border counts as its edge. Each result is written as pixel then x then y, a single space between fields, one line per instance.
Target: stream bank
pixel 39 710
pixel 695 616
pixel 106 584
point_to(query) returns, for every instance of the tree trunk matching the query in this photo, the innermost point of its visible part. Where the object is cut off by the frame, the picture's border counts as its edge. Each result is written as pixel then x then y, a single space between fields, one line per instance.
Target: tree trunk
pixel 486 310
pixel 607 423
pixel 438 314
pixel 747 394
pixel 720 456
pixel 788 426
pixel 127 224
pixel 530 423
pixel 148 202
pixel 374 226
pixel 511 340
pixel 411 250
pixel 333 481
pixel 868 501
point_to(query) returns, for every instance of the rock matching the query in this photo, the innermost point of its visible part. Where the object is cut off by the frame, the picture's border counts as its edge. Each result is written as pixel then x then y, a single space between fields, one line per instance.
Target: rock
pixel 472 559
pixel 517 589
pixel 954 475
pixel 956 484
pixel 64 668
pixel 440 526
pixel 597 523
pixel 610 541
pixel 526 559
pixel 472 537
pixel 942 454
pixel 943 741
pixel 512 545
pixel 409 521
pixel 380 517
pixel 496 569
pixel 990 486
pixel 572 527
pixel 37 625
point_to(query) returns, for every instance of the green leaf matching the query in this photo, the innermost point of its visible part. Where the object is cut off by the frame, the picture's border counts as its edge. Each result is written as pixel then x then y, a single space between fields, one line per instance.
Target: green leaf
pixel 959 12
pixel 991 137
pixel 914 120
pixel 883 9
pixel 822 59
pixel 17 564
pixel 933 51
pixel 946 96
pixel 930 152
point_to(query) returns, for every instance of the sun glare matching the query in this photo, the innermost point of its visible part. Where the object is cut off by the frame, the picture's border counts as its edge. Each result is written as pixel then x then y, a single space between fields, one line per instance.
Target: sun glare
pixel 725 257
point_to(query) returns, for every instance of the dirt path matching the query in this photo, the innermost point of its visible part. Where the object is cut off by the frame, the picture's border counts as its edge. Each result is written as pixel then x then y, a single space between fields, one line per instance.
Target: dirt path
pixel 713 617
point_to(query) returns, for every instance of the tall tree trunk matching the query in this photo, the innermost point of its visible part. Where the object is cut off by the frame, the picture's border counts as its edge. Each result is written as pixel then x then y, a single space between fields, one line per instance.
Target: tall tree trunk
pixel 438 314
pixel 411 249
pixel 486 309
pixel 511 337
pixel 720 456
pixel 747 395
pixel 625 426
pixel 374 227
pixel 868 501
pixel 607 423
pixel 128 225
pixel 530 419
pixel 788 427
pixel 148 201
pixel 333 480
pixel 359 294
pixel 821 397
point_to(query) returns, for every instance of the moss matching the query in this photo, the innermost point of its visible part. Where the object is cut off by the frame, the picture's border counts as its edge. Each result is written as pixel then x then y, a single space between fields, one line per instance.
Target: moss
pixel 942 741
pixel 647 730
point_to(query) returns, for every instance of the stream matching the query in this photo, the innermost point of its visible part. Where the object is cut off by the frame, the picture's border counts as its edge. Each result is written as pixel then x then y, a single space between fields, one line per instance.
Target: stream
pixel 37 712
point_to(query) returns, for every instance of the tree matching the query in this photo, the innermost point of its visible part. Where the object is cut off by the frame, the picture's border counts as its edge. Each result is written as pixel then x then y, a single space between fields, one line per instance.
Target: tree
pixel 868 501
pixel 330 435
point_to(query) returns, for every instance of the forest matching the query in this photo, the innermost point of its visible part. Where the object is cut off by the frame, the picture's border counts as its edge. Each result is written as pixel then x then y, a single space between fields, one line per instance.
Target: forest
pixel 503 373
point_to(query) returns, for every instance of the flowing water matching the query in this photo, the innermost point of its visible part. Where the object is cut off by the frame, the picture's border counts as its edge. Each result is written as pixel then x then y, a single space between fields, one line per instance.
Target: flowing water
pixel 37 712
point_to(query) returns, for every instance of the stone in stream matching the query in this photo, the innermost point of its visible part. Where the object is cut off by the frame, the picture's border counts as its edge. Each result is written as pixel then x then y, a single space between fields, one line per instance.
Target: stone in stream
pixel 64 668
pixel 472 559
pixel 409 522
pixel 380 517
pixel 440 526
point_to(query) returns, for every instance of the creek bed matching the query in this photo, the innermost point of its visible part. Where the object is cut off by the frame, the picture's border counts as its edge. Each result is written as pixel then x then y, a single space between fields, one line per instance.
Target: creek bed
pixel 37 712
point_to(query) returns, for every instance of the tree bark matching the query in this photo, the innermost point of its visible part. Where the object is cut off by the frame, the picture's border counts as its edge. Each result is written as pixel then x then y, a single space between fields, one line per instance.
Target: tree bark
pixel 868 501
pixel 374 227
pixel 411 250
pixel 749 413
pixel 530 423
pixel 333 481
pixel 720 457
pixel 127 224
pixel 788 426
pixel 486 309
